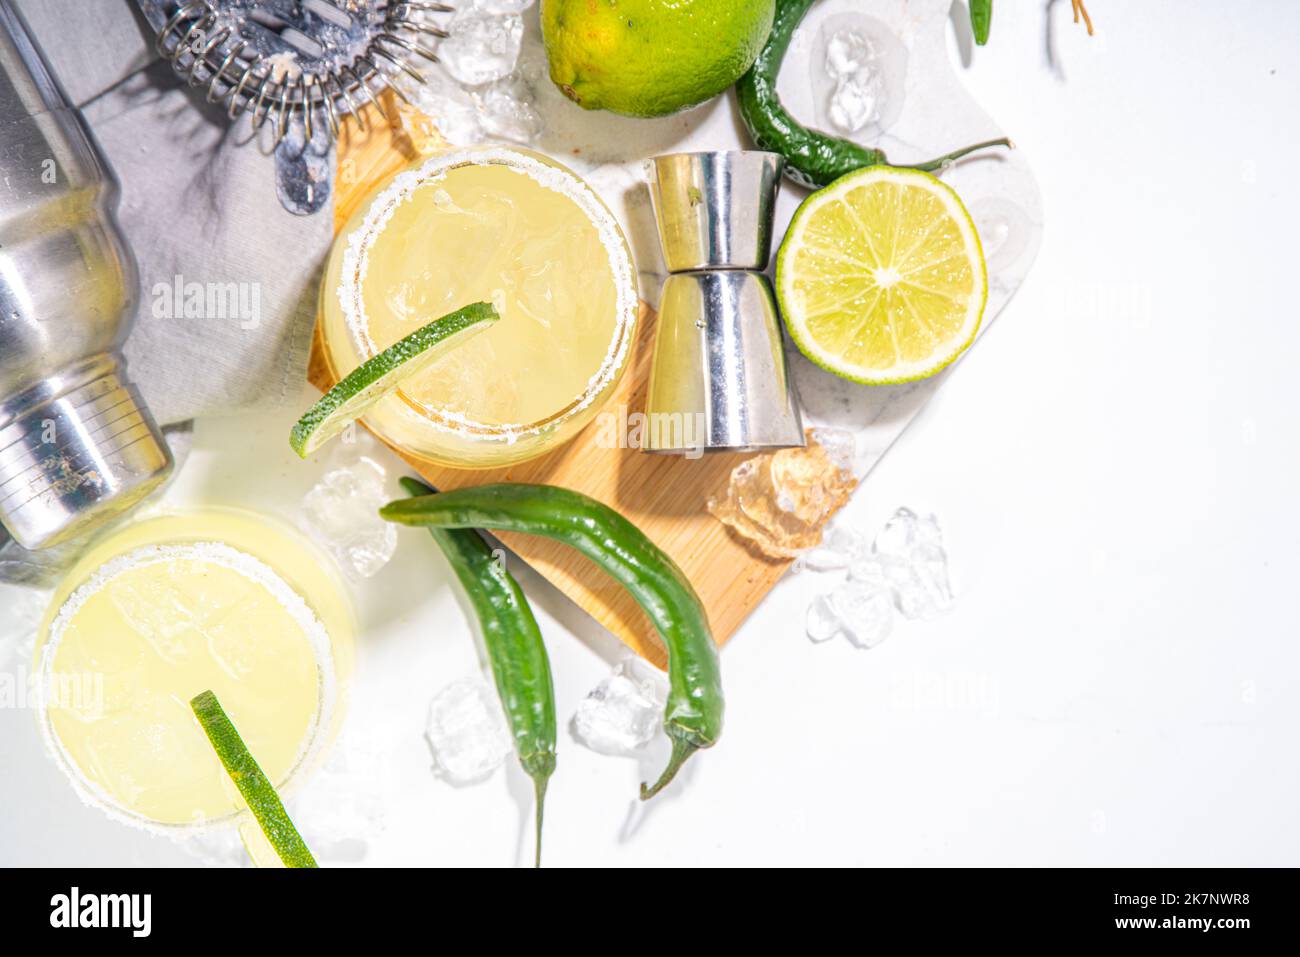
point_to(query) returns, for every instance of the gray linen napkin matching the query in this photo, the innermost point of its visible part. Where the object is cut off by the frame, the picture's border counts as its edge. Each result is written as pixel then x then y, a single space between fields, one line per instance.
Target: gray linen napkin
pixel 227 277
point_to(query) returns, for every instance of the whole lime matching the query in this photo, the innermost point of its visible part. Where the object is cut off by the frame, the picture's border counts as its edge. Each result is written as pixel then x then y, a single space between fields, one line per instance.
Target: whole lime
pixel 651 57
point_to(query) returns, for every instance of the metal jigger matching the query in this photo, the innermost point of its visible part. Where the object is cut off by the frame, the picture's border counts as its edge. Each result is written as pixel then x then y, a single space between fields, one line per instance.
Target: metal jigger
pixel 719 380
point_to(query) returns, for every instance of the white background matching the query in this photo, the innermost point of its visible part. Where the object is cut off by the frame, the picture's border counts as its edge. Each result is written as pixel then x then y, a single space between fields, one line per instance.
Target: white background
pixel 1115 468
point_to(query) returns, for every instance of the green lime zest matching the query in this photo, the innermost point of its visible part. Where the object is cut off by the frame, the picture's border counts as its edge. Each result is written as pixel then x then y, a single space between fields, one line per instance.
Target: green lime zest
pixel 257 790
pixel 383 374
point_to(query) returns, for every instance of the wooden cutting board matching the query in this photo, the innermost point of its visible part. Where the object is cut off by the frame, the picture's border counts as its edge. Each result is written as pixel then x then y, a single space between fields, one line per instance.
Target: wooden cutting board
pixel 664 495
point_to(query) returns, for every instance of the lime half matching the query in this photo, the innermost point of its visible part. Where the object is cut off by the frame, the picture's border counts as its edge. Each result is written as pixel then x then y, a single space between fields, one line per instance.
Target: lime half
pixel 881 277
pixel 384 373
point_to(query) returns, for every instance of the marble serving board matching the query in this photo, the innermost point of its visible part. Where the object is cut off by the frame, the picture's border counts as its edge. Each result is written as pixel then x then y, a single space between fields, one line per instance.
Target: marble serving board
pixel 919 109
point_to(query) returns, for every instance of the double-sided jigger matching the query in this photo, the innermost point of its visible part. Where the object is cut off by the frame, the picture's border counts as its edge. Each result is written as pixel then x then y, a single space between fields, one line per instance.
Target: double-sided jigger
pixel 719 380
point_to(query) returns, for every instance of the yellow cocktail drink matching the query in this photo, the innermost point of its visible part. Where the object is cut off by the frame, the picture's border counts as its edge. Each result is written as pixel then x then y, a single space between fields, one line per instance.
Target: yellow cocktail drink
pixel 498 225
pixel 216 600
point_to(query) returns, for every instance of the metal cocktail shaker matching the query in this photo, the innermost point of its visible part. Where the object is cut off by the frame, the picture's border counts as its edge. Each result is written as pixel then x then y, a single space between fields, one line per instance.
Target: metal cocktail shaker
pixel 76 443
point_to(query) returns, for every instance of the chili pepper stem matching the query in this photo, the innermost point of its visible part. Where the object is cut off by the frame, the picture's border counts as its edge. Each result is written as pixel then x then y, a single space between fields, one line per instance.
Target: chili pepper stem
pixel 939 163
pixel 1079 8
pixel 682 750
pixel 539 788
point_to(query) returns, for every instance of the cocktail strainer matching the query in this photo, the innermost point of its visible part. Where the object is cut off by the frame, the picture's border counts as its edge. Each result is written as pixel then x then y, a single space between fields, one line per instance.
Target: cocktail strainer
pixel 302 65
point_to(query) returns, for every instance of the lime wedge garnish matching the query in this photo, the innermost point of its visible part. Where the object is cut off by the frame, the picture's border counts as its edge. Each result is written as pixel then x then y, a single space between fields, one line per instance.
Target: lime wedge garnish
pixel 258 792
pixel 382 374
pixel 881 277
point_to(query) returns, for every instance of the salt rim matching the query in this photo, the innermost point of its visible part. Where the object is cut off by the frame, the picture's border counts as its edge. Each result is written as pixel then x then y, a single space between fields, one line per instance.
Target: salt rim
pixel 218 553
pixel 559 179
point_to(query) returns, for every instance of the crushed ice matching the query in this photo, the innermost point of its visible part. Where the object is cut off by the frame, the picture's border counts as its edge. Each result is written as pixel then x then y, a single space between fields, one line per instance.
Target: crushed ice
pixel 910 550
pixel 478 92
pixel 779 501
pixel 904 571
pixel 483 47
pixel 840 548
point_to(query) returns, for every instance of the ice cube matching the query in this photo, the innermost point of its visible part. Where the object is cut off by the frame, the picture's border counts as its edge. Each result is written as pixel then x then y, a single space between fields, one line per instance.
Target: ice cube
pixel 482 48
pixel 861 611
pixel 233 638
pixel 865 612
pixel 148 742
pixel 931 565
pixel 898 534
pixel 342 513
pixel 902 579
pixel 905 568
pixel 507 111
pixel 840 446
pixel 840 548
pixel 872 569
pixel 467 731
pixel 157 611
pixel 780 500
pixel 453 109
pixel 21 610
pixel 918 598
pixel 625 711
pixel 823 621
pixel 912 547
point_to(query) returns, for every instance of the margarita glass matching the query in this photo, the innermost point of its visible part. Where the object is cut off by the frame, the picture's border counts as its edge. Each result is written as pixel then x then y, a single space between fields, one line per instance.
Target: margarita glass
pixel 212 599
pixel 488 224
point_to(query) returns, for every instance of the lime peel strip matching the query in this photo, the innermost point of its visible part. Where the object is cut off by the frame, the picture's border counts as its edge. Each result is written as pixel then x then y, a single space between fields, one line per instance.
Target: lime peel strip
pixel 383 374
pixel 257 790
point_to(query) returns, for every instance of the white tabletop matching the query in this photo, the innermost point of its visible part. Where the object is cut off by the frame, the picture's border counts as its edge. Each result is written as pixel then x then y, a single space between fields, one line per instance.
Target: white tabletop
pixel 1114 466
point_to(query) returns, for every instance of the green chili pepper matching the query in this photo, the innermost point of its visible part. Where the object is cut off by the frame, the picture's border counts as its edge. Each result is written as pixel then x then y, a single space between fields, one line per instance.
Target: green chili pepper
pixel 693 717
pixel 514 645
pixel 981 15
pixel 812 158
